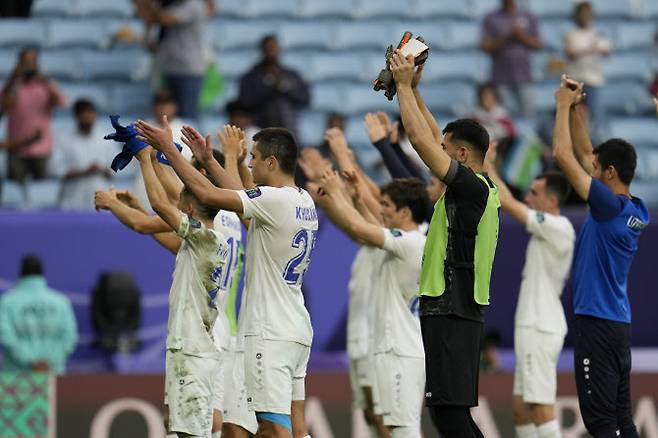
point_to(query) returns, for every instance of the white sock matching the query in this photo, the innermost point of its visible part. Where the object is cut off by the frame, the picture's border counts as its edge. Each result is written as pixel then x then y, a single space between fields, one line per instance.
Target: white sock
pixel 549 430
pixel 526 431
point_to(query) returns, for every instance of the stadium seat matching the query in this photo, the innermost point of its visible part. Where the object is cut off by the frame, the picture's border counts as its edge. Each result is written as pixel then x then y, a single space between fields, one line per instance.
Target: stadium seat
pixel 131 99
pixel 544 98
pixel 61 64
pixel 395 9
pixel 462 35
pixel 327 97
pixel 472 66
pixel 43 193
pixel 12 194
pixel 52 8
pixel 8 58
pixel 341 65
pixel 300 61
pixel 552 33
pixel 305 35
pixel 634 35
pixel 324 8
pixel 360 98
pixel 551 8
pixel 241 34
pixel 478 9
pixel 538 64
pixel 441 9
pixel 615 8
pixel 453 98
pixel 269 8
pixel 78 33
pixel 231 8
pixel 357 35
pixel 96 93
pixel 132 65
pixel 434 33
pixel 310 127
pixel 357 137
pixel 234 64
pixel 113 8
pixel 650 9
pixel 647 165
pixel 21 32
pixel 641 130
pixel 630 66
pixel 624 98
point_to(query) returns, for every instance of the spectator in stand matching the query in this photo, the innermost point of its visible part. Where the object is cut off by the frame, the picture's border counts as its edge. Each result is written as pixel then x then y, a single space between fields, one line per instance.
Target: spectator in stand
pixel 490 114
pixel 28 99
pixel 508 35
pixel 82 158
pixel 37 324
pixel 272 92
pixel 585 48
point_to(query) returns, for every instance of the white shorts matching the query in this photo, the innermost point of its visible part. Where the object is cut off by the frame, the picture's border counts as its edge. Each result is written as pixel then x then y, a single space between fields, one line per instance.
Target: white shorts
pixel 190 383
pixel 401 387
pixel 274 373
pixel 535 376
pixel 235 398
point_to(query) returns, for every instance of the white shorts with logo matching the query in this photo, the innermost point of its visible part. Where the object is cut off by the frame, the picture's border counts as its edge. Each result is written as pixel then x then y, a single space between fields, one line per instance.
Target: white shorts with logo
pixel 400 386
pixel 190 386
pixel 235 398
pixel 274 373
pixel 537 353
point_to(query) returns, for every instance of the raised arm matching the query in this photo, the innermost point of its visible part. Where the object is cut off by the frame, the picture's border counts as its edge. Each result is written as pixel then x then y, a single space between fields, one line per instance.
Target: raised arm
pixel 168 179
pixel 379 138
pixel 419 132
pixel 356 187
pixel 512 206
pixel 203 189
pixel 136 220
pixel 427 114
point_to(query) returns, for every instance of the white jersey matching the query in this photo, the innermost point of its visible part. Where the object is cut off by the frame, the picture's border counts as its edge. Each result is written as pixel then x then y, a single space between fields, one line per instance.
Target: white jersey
pixel 547 262
pixel 195 289
pixel 360 307
pixel 394 296
pixel 227 224
pixel 279 245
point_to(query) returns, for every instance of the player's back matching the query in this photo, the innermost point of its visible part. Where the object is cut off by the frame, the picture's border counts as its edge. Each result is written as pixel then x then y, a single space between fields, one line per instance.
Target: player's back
pixel 279 245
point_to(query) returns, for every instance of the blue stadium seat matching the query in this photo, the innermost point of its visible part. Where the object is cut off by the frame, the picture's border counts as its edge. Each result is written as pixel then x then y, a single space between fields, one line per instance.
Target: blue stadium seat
pixel 132 65
pixel 231 8
pixel 641 130
pixel 305 35
pixel 472 66
pixel 43 194
pixel 435 34
pixel 615 8
pixel 462 35
pixel 234 64
pixel 269 8
pixel 78 33
pixel 12 195
pixel 324 8
pixel 630 66
pixel 8 58
pixel 357 137
pixel 131 99
pixel 341 65
pixel 96 93
pixel 650 9
pixel 551 8
pixel 209 124
pixel 373 35
pixel 440 8
pixel 52 8
pixel 61 64
pixel 113 8
pixel 310 127
pixel 624 98
pixel 240 34
pixel 647 169
pixel 22 32
pixel 552 33
pixel 538 64
pixel 480 8
pixel 634 35
pixel 543 94
pixel 382 8
pixel 360 98
pixel 454 98
pixel 327 97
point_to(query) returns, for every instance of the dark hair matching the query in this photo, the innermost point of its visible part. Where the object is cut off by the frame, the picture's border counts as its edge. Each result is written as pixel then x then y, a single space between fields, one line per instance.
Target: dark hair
pixel 279 143
pixel 578 8
pixel 31 265
pixel 470 132
pixel 619 154
pixel 236 106
pixel 162 96
pixel 82 105
pixel 25 50
pixel 411 193
pixel 267 39
pixel 218 156
pixel 487 86
pixel 557 184
pixel 205 211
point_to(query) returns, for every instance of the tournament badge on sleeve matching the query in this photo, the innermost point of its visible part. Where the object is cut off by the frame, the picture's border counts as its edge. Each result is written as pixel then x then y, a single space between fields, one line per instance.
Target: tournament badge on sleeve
pixel 407 46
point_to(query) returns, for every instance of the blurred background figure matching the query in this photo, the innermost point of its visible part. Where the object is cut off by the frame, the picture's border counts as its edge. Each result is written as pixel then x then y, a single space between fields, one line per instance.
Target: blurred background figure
pixel 272 92
pixel 28 99
pixel 490 358
pixel 82 158
pixel 508 36
pixel 495 119
pixel 38 330
pixel 585 48
pixel 238 115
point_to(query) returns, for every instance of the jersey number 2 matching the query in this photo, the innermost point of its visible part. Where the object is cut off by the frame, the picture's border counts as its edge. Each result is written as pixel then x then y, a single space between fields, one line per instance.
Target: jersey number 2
pixel 296 267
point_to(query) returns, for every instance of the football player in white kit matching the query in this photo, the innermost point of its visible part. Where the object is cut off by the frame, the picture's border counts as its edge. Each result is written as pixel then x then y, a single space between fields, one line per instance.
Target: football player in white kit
pixel 399 355
pixel 539 323
pixel 281 236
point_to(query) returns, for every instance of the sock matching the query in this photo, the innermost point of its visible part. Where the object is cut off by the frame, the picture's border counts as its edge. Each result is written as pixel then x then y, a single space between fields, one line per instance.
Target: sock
pixel 526 431
pixel 549 430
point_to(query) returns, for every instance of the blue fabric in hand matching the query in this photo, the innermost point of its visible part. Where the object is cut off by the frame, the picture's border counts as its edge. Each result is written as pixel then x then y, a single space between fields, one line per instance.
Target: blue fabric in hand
pixel 162 158
pixel 131 145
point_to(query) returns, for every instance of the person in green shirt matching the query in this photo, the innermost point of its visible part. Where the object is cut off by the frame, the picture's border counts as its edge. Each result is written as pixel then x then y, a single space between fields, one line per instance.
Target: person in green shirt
pixel 38 330
pixel 458 255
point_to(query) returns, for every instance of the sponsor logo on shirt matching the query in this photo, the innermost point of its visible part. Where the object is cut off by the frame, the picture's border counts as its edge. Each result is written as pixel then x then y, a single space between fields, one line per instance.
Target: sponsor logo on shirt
pixel 253 193
pixel 395 232
pixel 540 217
pixel 195 223
pixel 635 224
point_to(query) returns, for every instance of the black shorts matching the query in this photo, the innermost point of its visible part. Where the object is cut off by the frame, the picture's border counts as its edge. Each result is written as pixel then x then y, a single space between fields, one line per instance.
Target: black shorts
pixel 602 365
pixel 452 360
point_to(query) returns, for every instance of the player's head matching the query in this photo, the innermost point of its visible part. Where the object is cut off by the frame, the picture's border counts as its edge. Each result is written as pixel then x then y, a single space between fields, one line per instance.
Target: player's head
pixel 31 265
pixel 403 201
pixel 615 161
pixel 217 155
pixel 84 111
pixel 238 114
pixel 269 47
pixel 189 204
pixel 548 191
pixel 274 152
pixel 164 105
pixel 466 141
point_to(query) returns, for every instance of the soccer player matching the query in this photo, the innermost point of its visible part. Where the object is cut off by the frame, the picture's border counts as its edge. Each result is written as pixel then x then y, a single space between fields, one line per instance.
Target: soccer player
pixel 398 346
pixel 540 325
pixel 604 251
pixel 280 240
pixel 458 257
pixel 192 357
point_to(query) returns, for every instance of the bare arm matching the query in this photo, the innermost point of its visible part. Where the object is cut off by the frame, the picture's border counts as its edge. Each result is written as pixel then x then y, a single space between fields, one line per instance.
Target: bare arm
pixel 427 114
pixel 515 208
pixel 169 241
pixel 136 220
pixel 168 179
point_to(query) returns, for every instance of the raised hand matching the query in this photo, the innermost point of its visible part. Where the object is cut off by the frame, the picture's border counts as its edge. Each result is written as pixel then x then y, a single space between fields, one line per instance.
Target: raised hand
pixel 655 102
pixel 331 182
pixel 402 68
pixel 376 130
pixel 336 140
pixel 127 198
pixel 313 164
pixel 231 139
pixel 103 199
pixel 201 147
pixel 569 93
pixel 354 186
pixel 161 139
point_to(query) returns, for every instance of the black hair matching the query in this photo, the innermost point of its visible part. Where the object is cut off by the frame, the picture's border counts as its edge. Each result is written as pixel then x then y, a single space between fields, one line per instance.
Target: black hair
pixel 267 39
pixel 411 193
pixel 162 96
pixel 279 143
pixel 31 265
pixel 487 86
pixel 205 211
pixel 82 105
pixel 470 132
pixel 578 8
pixel 619 154
pixel 236 106
pixel 27 49
pixel 557 184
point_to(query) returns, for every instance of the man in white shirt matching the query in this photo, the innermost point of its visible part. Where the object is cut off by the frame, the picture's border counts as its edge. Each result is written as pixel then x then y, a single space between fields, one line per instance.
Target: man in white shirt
pixel 540 325
pixel 399 357
pixel 281 236
pixel 81 158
